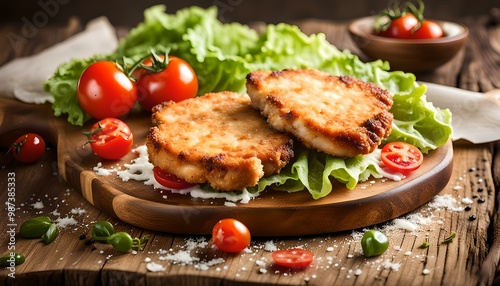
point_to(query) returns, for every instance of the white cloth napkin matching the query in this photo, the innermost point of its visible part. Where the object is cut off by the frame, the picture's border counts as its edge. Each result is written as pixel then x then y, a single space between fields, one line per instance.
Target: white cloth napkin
pixel 476 116
pixel 23 78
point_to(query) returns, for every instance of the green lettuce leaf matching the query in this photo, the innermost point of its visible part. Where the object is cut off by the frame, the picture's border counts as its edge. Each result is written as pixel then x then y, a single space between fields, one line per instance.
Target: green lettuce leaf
pixel 223 54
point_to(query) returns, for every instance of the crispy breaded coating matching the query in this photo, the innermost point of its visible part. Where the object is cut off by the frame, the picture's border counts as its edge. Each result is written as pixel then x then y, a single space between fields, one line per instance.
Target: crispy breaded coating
pixel 217 138
pixel 338 115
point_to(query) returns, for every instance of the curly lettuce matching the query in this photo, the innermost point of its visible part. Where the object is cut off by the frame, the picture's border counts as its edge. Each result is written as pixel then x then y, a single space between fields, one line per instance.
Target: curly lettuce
pixel 223 54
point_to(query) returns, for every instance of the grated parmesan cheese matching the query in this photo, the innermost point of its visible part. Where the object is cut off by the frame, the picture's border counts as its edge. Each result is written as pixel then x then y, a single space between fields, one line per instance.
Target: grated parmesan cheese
pixel 390 265
pixel 270 246
pixel 63 222
pixel 140 169
pixel 445 201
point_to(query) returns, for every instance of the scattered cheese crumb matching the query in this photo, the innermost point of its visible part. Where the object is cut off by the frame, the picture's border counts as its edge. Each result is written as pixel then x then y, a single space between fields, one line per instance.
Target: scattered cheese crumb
pixel 270 246
pixel 394 266
pixel 78 211
pixel 405 224
pixel 445 201
pixel 260 263
pixel 63 222
pixel 229 204
pixel 38 205
pixel 467 201
pixel 154 267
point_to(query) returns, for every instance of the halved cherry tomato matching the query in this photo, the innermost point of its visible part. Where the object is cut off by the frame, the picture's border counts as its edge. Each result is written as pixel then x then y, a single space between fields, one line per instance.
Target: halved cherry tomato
pixel 28 148
pixel 428 30
pixel 111 138
pixel 296 258
pixel 106 91
pixel 401 157
pixel 230 235
pixel 169 180
pixel 401 27
pixel 176 82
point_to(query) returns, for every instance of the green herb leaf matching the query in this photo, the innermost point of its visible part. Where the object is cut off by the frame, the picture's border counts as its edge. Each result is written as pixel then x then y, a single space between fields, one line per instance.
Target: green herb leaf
pixel 425 244
pixel 35 227
pixel 51 234
pixel 450 237
pixel 9 260
pixel 102 230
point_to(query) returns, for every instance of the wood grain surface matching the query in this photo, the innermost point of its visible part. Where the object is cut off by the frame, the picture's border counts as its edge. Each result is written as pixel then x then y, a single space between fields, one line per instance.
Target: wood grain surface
pixel 471 259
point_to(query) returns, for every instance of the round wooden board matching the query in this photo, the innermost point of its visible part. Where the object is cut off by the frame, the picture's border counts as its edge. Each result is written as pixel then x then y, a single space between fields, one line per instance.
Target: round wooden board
pixel 272 213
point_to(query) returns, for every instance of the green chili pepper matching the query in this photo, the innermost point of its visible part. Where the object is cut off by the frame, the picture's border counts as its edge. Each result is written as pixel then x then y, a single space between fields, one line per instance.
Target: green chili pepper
pixel 374 243
pixel 9 260
pixel 51 234
pixel 35 227
pixel 101 230
pixel 121 241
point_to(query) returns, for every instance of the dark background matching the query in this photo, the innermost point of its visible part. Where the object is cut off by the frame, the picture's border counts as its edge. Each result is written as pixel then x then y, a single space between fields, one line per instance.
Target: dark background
pixel 129 13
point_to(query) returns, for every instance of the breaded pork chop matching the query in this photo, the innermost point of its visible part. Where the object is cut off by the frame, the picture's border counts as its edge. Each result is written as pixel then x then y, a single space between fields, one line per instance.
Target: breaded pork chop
pixel 338 115
pixel 217 138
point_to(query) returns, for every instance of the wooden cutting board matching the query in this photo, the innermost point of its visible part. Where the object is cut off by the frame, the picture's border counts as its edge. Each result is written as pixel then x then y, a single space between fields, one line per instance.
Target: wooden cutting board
pixel 273 213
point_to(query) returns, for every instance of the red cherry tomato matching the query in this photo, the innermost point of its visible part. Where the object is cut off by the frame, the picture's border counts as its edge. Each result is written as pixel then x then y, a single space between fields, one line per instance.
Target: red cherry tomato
pixel 428 30
pixel 401 27
pixel 295 258
pixel 176 82
pixel 401 157
pixel 230 235
pixel 105 91
pixel 169 181
pixel 140 71
pixel 111 139
pixel 28 148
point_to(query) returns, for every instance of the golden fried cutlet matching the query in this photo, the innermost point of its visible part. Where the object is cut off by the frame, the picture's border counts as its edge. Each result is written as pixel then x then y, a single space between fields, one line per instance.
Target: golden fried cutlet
pixel 217 138
pixel 338 115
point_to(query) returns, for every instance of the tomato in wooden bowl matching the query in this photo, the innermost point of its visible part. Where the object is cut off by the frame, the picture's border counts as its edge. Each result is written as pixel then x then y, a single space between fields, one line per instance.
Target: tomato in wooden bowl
pixel 409 54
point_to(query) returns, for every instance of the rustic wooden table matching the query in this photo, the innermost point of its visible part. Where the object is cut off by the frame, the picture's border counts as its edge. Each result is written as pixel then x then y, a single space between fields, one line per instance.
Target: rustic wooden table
pixel 472 258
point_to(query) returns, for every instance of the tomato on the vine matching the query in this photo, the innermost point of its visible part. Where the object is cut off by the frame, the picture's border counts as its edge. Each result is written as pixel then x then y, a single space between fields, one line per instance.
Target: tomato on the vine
pixel 110 138
pixel 230 235
pixel 428 30
pixel 401 27
pixel 171 80
pixel 407 22
pixel 296 258
pixel 401 157
pixel 104 90
pixel 169 180
pixel 28 148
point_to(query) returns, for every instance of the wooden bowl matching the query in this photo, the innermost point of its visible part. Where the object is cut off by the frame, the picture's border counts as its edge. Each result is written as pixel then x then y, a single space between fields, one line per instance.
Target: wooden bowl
pixel 409 55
